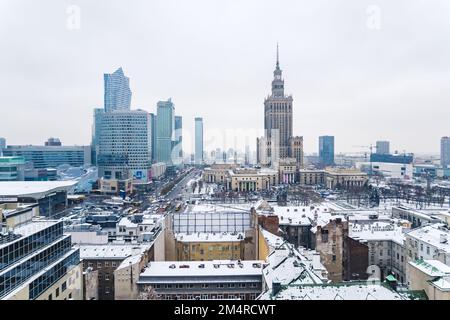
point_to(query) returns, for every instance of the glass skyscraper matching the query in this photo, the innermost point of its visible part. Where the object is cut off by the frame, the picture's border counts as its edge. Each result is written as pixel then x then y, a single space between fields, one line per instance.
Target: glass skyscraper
pixel 153 138
pixel 165 124
pixel 117 91
pixel 178 144
pixel 198 158
pixel 445 151
pixel 326 150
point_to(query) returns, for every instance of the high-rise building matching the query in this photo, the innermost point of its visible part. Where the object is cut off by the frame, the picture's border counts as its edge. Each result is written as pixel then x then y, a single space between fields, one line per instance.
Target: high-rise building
pixel 445 151
pixel 2 145
pixel 178 145
pixel 198 140
pixel 382 147
pixel 278 112
pixel 165 124
pixel 117 91
pixel 153 129
pixel 296 150
pixel 125 145
pixel 326 150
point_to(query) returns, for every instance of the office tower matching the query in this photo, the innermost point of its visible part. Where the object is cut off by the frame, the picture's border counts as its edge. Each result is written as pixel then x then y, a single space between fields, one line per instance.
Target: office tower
pixel 382 147
pixel 96 126
pixel 296 150
pixel 198 140
pixel 38 261
pixel 445 151
pixel 326 150
pixel 165 124
pixel 2 145
pixel 125 145
pixel 178 151
pixel 278 113
pixel 117 91
pixel 153 130
pixel 247 159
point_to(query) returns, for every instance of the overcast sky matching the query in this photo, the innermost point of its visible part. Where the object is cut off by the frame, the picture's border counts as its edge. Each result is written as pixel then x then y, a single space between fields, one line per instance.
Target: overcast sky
pixel 356 71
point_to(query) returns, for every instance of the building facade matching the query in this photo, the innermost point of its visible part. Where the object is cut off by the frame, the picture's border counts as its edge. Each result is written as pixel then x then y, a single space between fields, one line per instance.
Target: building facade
pixel 165 125
pixel 326 150
pixel 125 146
pixel 445 151
pixel 38 262
pixel 278 113
pixel 51 156
pixel 178 144
pixel 12 168
pixel 117 91
pixel 382 147
pixel 198 141
pixel 219 279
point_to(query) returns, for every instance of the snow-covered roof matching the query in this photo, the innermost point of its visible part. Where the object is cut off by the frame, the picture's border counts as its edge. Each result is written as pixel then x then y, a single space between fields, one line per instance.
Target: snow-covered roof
pixel 432 268
pixel 210 237
pixel 288 266
pixel 272 240
pixel 202 268
pixel 111 251
pixel 436 235
pixel 351 291
pixel 36 189
pixel 377 231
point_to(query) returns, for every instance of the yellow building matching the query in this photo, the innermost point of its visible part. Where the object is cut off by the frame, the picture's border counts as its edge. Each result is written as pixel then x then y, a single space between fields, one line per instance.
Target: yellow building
pixel 209 246
pixel 432 276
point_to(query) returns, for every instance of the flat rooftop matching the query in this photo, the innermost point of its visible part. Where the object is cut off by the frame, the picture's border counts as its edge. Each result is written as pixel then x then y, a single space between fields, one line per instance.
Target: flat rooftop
pixel 27 229
pixel 111 251
pixel 215 268
pixel 433 234
pixel 33 188
pixel 356 291
pixel 210 237
pixel 377 231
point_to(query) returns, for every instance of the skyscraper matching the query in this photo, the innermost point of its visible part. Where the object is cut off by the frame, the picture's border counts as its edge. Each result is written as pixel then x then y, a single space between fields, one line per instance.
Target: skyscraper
pixel 382 147
pixel 153 130
pixel 124 142
pixel 445 151
pixel 2 145
pixel 198 140
pixel 178 145
pixel 278 112
pixel 165 124
pixel 326 150
pixel 117 91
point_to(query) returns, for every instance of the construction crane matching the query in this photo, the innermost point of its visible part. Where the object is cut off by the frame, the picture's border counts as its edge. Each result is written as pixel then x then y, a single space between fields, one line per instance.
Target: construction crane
pixel 370 147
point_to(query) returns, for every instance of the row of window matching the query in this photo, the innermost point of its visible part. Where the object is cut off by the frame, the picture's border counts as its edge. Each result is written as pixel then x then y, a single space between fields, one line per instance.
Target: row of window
pixel 13 278
pixel 206 285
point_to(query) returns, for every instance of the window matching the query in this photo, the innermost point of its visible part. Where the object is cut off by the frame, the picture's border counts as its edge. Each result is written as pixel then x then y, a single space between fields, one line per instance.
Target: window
pixel 114 264
pixel 70 295
pixel 57 292
pixel 334 257
pixel 106 276
pixel 428 250
pixel 106 290
pixel 106 264
pixel 50 297
pixel 99 265
pixel 63 286
pixel 421 247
